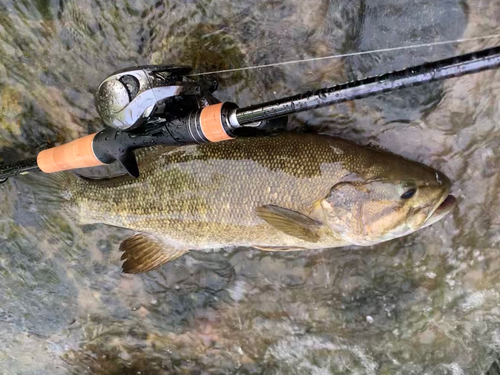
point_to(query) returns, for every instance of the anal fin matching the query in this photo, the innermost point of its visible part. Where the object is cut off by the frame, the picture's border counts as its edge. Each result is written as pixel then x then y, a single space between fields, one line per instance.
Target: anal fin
pixel 143 253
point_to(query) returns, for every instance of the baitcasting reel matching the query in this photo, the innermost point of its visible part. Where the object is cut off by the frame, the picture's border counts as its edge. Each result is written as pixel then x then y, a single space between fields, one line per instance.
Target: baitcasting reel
pixel 131 97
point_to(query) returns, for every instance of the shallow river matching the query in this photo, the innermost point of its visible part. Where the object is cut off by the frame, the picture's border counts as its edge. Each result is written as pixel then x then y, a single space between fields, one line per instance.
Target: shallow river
pixel 428 303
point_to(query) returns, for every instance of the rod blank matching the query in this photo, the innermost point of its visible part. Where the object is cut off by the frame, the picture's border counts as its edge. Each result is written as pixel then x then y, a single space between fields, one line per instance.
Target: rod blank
pixel 428 72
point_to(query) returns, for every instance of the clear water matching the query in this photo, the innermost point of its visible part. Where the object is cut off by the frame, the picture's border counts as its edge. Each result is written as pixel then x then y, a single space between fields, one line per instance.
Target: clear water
pixel 425 304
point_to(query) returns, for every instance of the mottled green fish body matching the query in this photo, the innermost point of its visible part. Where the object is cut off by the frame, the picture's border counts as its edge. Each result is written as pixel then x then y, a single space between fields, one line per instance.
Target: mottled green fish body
pixel 274 193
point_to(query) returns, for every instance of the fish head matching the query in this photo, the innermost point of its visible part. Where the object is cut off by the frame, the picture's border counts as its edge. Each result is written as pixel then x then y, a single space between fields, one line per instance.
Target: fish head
pixel 391 197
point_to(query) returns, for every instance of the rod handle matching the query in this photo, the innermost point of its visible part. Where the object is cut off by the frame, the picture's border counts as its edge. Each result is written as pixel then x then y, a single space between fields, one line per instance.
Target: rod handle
pixel 72 155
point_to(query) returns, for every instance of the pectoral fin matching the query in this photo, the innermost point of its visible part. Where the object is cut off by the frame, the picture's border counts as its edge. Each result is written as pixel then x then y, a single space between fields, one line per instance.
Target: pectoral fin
pixel 290 222
pixel 143 253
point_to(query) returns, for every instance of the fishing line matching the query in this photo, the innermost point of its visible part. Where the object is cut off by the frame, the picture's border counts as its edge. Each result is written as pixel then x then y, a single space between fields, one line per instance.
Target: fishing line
pixel 414 46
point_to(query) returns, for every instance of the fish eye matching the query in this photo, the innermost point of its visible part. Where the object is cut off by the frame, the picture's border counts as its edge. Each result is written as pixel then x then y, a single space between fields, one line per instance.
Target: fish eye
pixel 408 194
pixel 407 190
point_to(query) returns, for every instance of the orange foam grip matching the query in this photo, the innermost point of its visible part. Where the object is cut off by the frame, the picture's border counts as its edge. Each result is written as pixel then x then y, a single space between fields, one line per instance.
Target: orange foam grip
pixel 211 123
pixel 72 155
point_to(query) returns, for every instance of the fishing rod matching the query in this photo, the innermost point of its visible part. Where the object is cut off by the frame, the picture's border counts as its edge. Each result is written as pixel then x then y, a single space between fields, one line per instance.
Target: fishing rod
pixel 160 105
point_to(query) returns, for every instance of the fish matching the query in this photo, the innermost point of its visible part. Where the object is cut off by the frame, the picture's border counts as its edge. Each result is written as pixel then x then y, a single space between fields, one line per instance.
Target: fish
pixel 287 192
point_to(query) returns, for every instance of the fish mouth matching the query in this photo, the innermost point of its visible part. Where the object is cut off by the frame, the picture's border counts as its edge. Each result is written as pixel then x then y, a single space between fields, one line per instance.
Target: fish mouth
pixel 441 211
pixel 446 205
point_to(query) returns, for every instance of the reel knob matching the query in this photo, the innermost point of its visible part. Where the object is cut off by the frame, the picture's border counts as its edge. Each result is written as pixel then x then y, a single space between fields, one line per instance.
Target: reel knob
pixel 128 98
pixel 111 97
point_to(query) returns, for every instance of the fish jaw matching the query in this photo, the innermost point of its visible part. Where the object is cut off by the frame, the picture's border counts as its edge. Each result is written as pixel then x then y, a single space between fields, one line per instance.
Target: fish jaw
pixel 441 211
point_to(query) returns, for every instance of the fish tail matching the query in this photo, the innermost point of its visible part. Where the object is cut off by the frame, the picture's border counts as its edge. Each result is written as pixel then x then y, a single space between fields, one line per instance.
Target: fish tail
pixel 51 191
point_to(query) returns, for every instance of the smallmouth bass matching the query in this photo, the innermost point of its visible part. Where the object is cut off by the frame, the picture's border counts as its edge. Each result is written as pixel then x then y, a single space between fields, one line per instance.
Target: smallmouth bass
pixel 278 193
